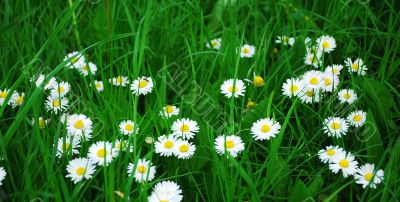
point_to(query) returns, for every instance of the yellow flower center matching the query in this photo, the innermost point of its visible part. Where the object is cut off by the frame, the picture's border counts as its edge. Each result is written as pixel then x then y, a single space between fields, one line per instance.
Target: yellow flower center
pixel 98 85
pixel 344 163
pixel 214 43
pixel 347 96
pixel 250 104
pixel 80 171
pixel 258 81
pixel 335 71
pixel 368 176
pixel 265 128
pixel 314 81
pixel 354 66
pixel 141 169
pixel 310 93
pixel 143 83
pixel 232 88
pixel 168 144
pixel 335 125
pixel 41 123
pixel 102 152
pixel 85 68
pixel 328 82
pixel 75 59
pixel 3 94
pixel 66 146
pixel 129 127
pixel 245 51
pixel 169 109
pixel 294 88
pixel 229 144
pixel 285 39
pixel 120 145
pixel 20 99
pixel 357 118
pixel 330 152
pixel 56 103
pixel 60 89
pixel 120 80
pixel 164 200
pixel 79 124
pixel 184 148
pixel 185 128
pixel 325 45
pixel 313 59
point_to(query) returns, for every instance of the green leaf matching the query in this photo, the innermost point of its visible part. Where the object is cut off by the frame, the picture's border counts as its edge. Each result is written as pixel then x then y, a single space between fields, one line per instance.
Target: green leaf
pixel 299 192
pixel 372 138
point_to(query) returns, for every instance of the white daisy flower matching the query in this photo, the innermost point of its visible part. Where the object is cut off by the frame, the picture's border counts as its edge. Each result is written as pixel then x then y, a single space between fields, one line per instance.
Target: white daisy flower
pixel 123 145
pixel 119 81
pixel 128 127
pixel 264 129
pixel 67 146
pixel 50 84
pixel 142 85
pixel 166 191
pixel 56 104
pixel 143 170
pixel 345 162
pixel 169 111
pixel 75 59
pixel 102 153
pixel 184 149
pixel 309 95
pixel 149 140
pixel 335 126
pixel 3 174
pixel 292 87
pixel 3 95
pixel 285 40
pixel 38 80
pixel 247 51
pixel 42 123
pixel 367 176
pixel 227 88
pixel 313 79
pixel 357 118
pixel 356 66
pixel 64 118
pixel 330 82
pixel 79 169
pixel 17 99
pixel 80 125
pixel 313 59
pixel 347 95
pixel 59 89
pixel 231 144
pixel 327 155
pixel 326 43
pixel 215 44
pixel 85 67
pixel 99 86
pixel 333 69
pixel 165 145
pixel 185 128
pixel 307 41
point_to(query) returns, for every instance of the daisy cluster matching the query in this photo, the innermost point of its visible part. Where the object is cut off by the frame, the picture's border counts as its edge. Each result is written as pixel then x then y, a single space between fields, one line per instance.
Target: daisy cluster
pixel 262 129
pixel 322 81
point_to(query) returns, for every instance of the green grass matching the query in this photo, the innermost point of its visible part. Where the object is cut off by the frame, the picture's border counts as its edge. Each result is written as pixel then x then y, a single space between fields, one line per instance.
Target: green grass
pixel 166 40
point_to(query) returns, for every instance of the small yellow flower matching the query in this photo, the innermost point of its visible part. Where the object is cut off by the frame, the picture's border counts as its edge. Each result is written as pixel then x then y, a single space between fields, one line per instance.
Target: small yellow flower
pixel 258 81
pixel 250 104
